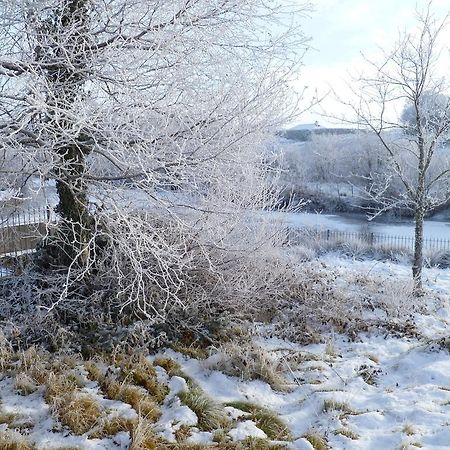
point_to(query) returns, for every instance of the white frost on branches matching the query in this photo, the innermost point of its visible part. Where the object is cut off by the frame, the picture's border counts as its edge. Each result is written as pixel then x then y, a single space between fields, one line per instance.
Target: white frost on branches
pixel 153 117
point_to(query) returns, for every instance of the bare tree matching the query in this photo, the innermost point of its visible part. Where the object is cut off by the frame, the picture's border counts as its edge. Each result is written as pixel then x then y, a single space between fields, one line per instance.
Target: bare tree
pixel 151 118
pixel 409 76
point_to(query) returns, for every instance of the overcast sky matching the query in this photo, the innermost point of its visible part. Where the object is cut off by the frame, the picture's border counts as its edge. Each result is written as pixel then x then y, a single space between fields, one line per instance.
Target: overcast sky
pixel 343 29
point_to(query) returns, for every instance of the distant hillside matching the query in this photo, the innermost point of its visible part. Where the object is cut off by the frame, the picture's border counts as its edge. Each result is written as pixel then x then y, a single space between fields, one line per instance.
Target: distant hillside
pixel 304 132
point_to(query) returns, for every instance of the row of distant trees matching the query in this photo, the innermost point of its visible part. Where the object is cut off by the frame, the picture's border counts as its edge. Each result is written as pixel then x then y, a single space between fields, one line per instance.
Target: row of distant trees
pixel 355 168
pixel 400 160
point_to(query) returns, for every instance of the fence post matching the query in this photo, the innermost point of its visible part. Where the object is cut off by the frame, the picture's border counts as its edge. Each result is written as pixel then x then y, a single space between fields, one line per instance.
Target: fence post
pixel 328 235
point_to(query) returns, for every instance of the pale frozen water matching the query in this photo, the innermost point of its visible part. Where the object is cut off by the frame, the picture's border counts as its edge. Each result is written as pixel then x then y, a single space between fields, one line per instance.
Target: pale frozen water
pixel 433 229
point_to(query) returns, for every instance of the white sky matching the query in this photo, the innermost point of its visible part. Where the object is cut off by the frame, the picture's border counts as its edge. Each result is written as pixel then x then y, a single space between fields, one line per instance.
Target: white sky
pixel 343 29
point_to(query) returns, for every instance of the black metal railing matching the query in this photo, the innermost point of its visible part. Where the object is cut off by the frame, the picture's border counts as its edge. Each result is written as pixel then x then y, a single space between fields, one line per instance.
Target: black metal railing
pixel 371 240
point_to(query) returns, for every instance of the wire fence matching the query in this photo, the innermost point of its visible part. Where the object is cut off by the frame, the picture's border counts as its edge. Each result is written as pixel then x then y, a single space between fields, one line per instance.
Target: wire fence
pixel 370 240
pixel 20 233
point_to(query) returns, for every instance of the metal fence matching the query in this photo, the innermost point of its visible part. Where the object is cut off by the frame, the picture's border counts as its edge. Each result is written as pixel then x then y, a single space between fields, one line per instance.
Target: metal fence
pixel 385 242
pixel 20 232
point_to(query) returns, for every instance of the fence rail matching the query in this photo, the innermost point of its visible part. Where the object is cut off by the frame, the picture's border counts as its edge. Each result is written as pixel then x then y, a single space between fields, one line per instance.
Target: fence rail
pixel 368 239
pixel 20 232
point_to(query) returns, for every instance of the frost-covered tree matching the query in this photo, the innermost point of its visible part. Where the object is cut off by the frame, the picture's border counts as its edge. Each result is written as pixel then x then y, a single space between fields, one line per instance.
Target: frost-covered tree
pixel 151 118
pixel 435 107
pixel 411 73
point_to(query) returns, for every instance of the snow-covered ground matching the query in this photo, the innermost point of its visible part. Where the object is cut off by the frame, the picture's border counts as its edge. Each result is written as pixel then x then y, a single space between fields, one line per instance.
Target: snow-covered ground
pixel 379 391
pixel 389 392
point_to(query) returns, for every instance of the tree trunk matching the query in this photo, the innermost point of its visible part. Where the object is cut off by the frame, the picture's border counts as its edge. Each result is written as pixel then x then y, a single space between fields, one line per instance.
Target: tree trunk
pixel 418 251
pixel 419 207
pixel 75 227
pixel 66 78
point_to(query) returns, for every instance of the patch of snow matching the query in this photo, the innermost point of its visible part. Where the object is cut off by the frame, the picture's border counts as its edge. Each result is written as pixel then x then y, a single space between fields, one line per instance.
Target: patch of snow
pixel 301 444
pixel 246 429
pixel 174 415
pixel 200 438
pixel 234 413
pixel 176 385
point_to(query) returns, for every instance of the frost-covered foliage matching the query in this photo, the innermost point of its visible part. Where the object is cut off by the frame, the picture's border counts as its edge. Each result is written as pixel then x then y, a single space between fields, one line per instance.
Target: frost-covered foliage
pixel 332 166
pixel 152 120
pixel 352 172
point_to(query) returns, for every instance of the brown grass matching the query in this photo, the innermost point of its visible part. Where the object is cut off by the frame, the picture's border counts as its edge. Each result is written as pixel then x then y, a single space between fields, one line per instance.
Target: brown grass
pixel 334 405
pixel 58 385
pixel 316 440
pixel 182 434
pixel 408 429
pixel 210 414
pixel 192 351
pixel 140 371
pixel 93 371
pixel 7 418
pixel 11 440
pixel 78 411
pixel 168 364
pixel 266 420
pixel 347 433
pixel 111 426
pixel 143 437
pixel 24 384
pixel 250 362
pixel 135 396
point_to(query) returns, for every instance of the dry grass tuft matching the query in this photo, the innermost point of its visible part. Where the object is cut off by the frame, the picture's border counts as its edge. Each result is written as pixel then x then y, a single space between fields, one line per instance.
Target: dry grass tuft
pixel 251 362
pixel 252 443
pixel 7 418
pixel 140 371
pixel 6 353
pixel 266 420
pixel 143 437
pixel 78 411
pixel 220 436
pixel 11 440
pixel 168 364
pixel 408 429
pixel 183 433
pixel 174 369
pixel 24 384
pixel 347 433
pixel 316 440
pixel 110 426
pixel 192 351
pixel 135 396
pixel 93 371
pixel 57 386
pixel 37 364
pixel 333 405
pixel 209 413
